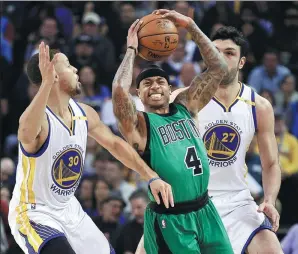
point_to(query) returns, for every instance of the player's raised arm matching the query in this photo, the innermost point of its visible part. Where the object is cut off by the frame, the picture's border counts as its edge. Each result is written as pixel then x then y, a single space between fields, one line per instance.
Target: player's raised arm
pixel 271 175
pixel 203 86
pixel 33 118
pixel 124 152
pixel 124 107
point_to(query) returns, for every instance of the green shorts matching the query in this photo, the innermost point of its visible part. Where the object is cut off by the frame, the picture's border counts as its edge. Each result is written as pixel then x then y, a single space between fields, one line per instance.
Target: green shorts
pixel 199 231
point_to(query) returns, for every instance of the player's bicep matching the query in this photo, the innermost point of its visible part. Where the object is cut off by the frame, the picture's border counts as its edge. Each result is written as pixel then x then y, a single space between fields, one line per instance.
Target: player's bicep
pixel 96 129
pixel 124 109
pixel 265 135
pixel 103 135
pixel 32 146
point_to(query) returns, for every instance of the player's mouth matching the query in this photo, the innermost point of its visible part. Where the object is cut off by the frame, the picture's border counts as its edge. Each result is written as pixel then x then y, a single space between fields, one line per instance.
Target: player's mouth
pixel 78 82
pixel 156 96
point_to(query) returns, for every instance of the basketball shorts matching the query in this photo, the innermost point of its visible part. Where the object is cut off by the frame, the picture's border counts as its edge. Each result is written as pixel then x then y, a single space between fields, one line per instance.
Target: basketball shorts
pixel 241 219
pixel 33 225
pixel 191 232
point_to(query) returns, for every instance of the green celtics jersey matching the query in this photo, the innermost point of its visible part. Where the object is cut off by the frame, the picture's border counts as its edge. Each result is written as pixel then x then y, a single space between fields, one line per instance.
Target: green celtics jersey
pixel 176 152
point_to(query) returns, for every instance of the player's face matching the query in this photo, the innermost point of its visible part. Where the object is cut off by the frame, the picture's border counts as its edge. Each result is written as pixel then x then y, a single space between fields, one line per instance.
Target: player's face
pixel 155 92
pixel 67 76
pixel 231 53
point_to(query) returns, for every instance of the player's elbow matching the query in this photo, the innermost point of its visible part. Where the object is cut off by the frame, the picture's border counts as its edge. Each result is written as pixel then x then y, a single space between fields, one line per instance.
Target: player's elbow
pixel 272 165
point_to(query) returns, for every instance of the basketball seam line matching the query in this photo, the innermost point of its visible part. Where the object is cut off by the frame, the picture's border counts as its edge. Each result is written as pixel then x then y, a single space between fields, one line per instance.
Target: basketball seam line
pixel 158 50
pixel 155 34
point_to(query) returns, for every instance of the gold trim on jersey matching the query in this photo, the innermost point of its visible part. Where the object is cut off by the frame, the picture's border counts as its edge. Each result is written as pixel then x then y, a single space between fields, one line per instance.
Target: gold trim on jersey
pixel 26 229
pixel 72 119
pixel 247 101
pixel 27 193
pixel 80 118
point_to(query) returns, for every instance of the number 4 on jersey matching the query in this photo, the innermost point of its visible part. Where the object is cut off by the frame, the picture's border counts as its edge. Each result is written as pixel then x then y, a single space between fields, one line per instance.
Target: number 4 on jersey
pixel 193 162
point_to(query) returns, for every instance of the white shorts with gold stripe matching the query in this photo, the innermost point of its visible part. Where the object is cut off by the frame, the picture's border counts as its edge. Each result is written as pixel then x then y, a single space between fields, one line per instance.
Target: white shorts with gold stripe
pixel 34 225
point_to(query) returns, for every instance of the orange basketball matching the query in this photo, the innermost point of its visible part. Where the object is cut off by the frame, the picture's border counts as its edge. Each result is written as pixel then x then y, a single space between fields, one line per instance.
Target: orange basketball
pixel 158 38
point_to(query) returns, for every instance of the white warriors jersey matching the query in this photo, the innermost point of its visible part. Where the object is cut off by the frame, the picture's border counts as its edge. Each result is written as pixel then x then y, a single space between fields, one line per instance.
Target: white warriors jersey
pixel 227 133
pixel 51 176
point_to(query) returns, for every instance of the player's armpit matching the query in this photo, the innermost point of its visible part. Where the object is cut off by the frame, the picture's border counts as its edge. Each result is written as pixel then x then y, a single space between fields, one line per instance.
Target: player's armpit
pixel 268 149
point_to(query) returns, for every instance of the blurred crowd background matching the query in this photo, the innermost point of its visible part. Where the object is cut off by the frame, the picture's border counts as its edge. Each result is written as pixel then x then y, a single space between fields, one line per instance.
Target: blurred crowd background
pixel 93 36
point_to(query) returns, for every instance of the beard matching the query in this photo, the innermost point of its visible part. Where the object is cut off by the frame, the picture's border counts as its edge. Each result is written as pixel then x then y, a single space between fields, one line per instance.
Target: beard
pixel 231 75
pixel 75 91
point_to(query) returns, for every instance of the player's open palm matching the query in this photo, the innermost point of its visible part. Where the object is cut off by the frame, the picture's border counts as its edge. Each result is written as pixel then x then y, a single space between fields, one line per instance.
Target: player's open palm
pixel 132 36
pixel 270 211
pixel 159 186
pixel 178 19
pixel 46 66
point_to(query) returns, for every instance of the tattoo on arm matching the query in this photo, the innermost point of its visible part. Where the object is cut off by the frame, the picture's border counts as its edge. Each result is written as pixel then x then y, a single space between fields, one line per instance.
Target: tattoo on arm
pixel 123 75
pixel 124 107
pixel 125 110
pixel 204 86
pixel 210 54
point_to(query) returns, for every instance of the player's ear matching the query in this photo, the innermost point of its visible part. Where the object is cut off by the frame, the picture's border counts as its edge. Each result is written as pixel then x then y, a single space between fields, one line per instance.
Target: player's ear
pixel 170 87
pixel 138 92
pixel 242 62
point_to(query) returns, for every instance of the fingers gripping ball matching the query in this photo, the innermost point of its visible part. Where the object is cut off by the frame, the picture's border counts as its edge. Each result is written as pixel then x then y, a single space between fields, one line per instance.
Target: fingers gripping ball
pixel 158 38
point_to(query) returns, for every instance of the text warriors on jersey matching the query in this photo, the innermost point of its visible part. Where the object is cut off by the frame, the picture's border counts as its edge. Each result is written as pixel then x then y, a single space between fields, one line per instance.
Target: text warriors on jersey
pixel 67 170
pixel 222 139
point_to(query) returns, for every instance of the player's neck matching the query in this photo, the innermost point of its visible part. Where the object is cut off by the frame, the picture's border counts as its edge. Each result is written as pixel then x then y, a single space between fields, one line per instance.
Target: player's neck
pixel 161 110
pixel 58 102
pixel 227 94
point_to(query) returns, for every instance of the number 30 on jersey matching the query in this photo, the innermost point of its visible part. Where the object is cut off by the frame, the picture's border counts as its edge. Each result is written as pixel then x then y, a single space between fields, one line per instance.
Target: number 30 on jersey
pixel 192 161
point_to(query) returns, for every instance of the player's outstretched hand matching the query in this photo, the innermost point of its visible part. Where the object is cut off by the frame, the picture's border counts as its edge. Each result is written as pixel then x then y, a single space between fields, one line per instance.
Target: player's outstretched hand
pixel 270 211
pixel 178 19
pixel 159 186
pixel 132 37
pixel 46 66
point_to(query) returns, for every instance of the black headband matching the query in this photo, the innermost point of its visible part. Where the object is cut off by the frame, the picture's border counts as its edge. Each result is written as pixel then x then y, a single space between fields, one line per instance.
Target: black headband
pixel 151 71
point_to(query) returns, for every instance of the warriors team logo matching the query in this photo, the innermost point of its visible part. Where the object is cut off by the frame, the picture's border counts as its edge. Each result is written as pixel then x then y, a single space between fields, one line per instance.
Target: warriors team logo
pixel 67 170
pixel 222 142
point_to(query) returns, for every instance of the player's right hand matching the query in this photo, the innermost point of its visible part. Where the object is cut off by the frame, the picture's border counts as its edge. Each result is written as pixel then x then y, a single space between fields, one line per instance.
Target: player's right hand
pixel 179 19
pixel 46 66
pixel 159 186
pixel 132 37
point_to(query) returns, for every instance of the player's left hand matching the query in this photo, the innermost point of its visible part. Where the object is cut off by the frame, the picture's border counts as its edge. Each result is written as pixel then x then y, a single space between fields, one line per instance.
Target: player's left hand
pixel 178 19
pixel 270 211
pixel 132 36
pixel 159 186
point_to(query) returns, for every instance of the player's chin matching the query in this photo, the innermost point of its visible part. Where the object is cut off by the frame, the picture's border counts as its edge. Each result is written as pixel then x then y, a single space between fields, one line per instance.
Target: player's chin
pixel 156 104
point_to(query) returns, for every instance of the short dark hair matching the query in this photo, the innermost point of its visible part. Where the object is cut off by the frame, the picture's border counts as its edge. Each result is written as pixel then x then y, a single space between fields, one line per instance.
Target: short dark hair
pixel 231 33
pixel 33 71
pixel 139 194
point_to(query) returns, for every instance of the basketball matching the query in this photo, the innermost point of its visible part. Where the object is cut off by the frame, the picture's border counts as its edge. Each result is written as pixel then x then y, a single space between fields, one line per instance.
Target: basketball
pixel 158 38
